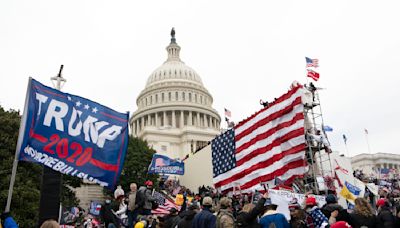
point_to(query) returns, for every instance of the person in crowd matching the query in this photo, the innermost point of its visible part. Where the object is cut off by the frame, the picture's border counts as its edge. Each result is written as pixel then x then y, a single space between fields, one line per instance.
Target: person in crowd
pixel 132 205
pixel 205 218
pixel 248 216
pixel 7 221
pixel 145 198
pixel 318 218
pixel 385 216
pixel 172 220
pixel 363 215
pixel 331 206
pixel 397 219
pixel 121 215
pixel 225 217
pixel 297 215
pixel 50 224
pixel 106 214
pixel 188 216
pixel 272 218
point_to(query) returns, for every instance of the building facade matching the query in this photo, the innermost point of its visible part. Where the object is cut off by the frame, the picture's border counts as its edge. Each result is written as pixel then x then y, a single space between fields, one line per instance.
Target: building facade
pixel 175 114
pixel 370 163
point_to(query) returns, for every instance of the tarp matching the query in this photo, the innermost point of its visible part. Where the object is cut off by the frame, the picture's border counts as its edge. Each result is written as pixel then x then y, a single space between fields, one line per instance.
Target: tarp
pixel 73 135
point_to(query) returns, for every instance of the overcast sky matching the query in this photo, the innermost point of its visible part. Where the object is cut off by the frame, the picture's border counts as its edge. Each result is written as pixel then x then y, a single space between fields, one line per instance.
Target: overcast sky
pixel 243 51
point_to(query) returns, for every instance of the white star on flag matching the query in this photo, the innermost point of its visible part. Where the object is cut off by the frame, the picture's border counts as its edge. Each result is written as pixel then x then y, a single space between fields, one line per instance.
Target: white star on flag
pixel 69 98
pixel 94 110
pixel 78 104
pixel 87 107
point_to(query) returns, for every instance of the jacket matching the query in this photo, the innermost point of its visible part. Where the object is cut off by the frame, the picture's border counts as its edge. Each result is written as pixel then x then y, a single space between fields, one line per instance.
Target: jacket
pixel 357 220
pixel 225 219
pixel 146 198
pixel 273 217
pixel 385 218
pixel 187 220
pixel 204 219
pixel 343 215
pixel 132 201
pixel 249 219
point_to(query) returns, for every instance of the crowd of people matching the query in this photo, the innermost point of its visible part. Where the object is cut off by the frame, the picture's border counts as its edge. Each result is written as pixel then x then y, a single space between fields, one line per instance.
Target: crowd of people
pixel 209 209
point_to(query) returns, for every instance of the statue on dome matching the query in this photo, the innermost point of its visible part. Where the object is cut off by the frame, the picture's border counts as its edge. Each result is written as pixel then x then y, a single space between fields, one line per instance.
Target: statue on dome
pixel 173 32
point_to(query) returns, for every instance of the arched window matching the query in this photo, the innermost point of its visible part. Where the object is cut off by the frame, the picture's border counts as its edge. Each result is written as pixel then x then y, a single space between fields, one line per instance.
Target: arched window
pixel 162 97
pixel 169 96
pixel 176 96
pixel 156 98
pixel 183 96
pixel 190 97
pixel 195 98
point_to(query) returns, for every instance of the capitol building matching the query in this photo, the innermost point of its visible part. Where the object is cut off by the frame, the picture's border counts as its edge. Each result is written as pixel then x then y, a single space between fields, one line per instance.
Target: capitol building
pixel 175 114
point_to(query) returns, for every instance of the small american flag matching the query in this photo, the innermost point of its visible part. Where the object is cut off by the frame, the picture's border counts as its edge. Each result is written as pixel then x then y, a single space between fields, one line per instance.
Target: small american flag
pixel 163 209
pixel 312 62
pixel 227 113
pixel 269 144
pixel 312 74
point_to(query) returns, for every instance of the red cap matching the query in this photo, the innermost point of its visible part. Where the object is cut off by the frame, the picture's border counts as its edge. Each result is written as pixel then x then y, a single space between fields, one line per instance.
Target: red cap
pixel 148 183
pixel 311 201
pixel 340 224
pixel 380 202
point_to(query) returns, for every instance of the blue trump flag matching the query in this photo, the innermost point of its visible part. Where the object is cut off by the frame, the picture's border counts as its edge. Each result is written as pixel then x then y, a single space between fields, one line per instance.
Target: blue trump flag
pixel 165 165
pixel 73 135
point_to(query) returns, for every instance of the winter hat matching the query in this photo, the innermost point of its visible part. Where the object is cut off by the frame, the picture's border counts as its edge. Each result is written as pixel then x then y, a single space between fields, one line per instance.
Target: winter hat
pixel 207 201
pixel 311 201
pixel 340 224
pixel 331 199
pixel 118 192
pixel 380 202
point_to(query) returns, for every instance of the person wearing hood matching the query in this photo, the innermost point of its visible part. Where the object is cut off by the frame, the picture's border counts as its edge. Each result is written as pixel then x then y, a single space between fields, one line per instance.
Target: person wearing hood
pixel 318 218
pixel 385 216
pixel 188 216
pixel 248 216
pixel 331 206
pixel 272 218
pixel 225 217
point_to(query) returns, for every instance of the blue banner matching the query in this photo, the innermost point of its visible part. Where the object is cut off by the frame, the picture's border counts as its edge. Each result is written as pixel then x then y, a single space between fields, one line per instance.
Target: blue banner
pixel 73 135
pixel 165 165
pixel 353 189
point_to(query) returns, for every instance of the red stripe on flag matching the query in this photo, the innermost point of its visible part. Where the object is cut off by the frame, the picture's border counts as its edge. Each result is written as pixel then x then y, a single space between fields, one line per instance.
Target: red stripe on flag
pixel 103 165
pixel 297 117
pixel 275 143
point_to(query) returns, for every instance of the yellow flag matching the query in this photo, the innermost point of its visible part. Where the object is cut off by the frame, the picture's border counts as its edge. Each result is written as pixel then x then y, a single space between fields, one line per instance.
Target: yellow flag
pixel 347 194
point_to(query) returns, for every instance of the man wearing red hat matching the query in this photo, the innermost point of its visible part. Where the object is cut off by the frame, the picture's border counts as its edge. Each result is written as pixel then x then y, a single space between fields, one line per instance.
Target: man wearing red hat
pixel 146 198
pixel 319 219
pixel 385 216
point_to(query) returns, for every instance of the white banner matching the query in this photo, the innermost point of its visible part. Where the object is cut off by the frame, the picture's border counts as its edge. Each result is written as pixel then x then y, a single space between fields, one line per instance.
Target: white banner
pixel 282 199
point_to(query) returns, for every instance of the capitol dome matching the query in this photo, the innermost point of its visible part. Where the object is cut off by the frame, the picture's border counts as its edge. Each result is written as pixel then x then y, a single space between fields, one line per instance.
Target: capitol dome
pixel 175 113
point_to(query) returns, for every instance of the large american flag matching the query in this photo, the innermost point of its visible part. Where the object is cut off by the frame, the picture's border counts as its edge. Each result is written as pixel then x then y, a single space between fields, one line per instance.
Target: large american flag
pixel 268 145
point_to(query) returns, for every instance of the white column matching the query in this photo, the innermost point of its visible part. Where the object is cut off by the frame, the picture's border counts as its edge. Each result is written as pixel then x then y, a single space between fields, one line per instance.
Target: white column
pixel 173 119
pixel 182 121
pixel 148 120
pixel 142 122
pixel 156 118
pixel 137 126
pixel 205 120
pixel 165 118
pixel 190 119
pixel 198 119
pixel 133 128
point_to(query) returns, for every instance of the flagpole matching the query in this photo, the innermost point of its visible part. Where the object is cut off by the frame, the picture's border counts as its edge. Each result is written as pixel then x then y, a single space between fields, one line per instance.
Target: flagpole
pixel 18 147
pixel 366 137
